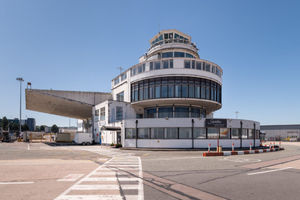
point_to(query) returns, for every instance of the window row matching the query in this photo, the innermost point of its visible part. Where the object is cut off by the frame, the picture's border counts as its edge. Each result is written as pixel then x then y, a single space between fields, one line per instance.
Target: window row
pixel 122 76
pixel 175 54
pixel 174 112
pixel 176 87
pixel 168 64
pixel 188 133
pixel 192 64
pixel 164 64
pixel 169 37
pixel 137 69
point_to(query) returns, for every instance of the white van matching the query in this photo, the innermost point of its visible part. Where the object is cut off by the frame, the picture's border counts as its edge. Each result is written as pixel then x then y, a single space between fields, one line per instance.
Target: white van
pixel 83 138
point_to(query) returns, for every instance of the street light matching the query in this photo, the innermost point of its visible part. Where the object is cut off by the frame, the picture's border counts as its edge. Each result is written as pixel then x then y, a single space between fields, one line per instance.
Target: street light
pixel 20 79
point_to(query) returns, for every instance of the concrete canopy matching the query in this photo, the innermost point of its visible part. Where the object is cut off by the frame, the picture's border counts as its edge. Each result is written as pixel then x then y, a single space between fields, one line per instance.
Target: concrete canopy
pixel 72 104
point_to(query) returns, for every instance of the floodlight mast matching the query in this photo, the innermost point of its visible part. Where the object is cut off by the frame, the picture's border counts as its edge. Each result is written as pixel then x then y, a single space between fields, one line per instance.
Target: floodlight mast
pixel 20 79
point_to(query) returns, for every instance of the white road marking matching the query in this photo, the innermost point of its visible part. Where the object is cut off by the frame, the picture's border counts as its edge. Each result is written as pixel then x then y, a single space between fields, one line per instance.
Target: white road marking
pixel 70 177
pixel 268 171
pixel 109 179
pixel 61 196
pixel 109 176
pixel 15 183
pixel 28 147
pixel 105 187
pixel 97 197
pixel 240 160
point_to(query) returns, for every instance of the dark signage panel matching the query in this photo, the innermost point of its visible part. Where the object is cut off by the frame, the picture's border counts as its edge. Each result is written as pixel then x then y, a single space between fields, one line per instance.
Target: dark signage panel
pixel 216 123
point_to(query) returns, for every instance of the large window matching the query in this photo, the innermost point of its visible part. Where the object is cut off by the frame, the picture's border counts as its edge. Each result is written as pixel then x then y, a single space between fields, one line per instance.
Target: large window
pixel 212 133
pixel 143 133
pixel 187 64
pixel 171 133
pixel 185 133
pixel 150 113
pixel 164 112
pixel 179 54
pixel 199 133
pixel 195 112
pixel 120 96
pixel 244 133
pixel 224 133
pixel 182 112
pixel 167 55
pixel 235 133
pixel 175 87
pixel 250 133
pixel 130 133
pixel 179 112
pixel 119 113
pixel 157 133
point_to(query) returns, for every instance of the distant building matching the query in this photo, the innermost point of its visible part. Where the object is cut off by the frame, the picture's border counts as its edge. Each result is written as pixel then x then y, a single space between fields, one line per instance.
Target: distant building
pixel 67 129
pixel 31 124
pixel 281 132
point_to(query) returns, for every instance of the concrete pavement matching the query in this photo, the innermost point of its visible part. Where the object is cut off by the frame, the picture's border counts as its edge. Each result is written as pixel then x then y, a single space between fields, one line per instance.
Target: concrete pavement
pixel 40 171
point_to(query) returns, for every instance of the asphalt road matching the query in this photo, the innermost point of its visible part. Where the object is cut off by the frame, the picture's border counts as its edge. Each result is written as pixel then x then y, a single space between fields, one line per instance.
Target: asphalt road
pixel 40 171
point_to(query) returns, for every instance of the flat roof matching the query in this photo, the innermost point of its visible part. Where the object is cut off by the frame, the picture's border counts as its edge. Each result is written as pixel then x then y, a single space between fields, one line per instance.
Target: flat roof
pixel 74 104
pixel 280 127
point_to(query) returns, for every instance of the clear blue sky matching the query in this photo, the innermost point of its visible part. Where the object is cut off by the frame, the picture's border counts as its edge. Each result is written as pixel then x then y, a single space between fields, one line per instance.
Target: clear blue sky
pixel 78 45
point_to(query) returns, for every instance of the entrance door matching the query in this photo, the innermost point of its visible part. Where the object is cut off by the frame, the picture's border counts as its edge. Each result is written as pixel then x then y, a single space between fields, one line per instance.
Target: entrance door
pixel 118 137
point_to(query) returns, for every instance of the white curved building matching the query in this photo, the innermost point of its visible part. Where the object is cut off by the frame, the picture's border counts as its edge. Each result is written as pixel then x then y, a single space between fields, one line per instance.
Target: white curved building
pixel 167 100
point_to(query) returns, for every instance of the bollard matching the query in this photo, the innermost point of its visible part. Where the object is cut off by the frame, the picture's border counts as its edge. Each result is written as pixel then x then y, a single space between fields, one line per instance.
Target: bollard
pixel 250 146
pixel 209 147
pixel 232 147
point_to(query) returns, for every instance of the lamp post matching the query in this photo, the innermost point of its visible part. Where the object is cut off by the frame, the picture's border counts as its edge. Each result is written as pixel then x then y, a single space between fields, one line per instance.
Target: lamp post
pixel 20 79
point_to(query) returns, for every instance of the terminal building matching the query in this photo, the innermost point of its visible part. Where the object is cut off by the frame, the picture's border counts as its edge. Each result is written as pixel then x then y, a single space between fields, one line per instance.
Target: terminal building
pixel 167 100
pixel 281 132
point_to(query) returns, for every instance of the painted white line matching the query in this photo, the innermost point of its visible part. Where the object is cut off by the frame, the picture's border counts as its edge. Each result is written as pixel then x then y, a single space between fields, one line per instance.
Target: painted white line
pixel 141 185
pixel 62 195
pixel 268 171
pixel 120 168
pixel 70 177
pixel 105 173
pixel 91 197
pixel 15 183
pixel 122 165
pixel 105 187
pixel 109 179
pixel 28 147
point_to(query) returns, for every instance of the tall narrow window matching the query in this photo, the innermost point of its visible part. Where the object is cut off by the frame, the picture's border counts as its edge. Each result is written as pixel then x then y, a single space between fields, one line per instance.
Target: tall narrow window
pixel 165 64
pixel 119 113
pixel 102 113
pixel 171 63
pixel 187 64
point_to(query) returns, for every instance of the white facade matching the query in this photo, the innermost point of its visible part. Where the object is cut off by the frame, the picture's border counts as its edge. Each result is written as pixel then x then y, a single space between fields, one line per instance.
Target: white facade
pixel 166 101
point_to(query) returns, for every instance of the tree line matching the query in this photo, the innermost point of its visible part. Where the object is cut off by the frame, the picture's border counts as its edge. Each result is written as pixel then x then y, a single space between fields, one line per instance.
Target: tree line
pixel 13 126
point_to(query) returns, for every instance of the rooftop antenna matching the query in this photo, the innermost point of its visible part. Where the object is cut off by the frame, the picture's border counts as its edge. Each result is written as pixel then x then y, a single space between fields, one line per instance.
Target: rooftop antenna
pixel 236 114
pixel 121 69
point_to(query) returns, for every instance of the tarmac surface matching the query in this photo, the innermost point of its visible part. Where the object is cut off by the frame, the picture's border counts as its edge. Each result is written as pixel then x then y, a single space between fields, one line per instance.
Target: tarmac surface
pixel 41 171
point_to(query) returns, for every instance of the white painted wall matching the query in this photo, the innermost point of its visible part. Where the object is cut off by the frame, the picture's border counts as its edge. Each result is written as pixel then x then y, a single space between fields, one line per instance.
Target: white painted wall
pixel 186 143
